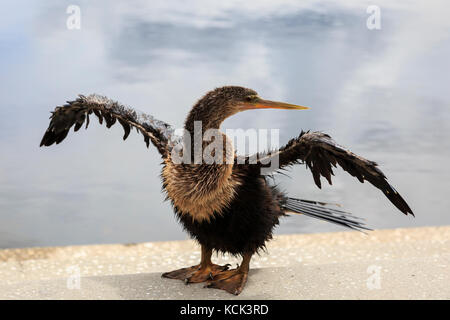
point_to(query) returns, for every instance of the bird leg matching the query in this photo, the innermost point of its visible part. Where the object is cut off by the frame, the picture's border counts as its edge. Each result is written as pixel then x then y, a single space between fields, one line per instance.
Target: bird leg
pixel 199 273
pixel 232 281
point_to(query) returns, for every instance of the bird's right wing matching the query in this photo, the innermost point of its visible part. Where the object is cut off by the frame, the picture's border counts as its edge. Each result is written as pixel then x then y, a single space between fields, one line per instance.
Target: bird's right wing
pixel 76 113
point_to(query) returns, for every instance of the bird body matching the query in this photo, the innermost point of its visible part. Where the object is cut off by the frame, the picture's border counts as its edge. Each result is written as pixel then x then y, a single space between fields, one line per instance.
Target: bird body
pixel 227 206
pixel 245 223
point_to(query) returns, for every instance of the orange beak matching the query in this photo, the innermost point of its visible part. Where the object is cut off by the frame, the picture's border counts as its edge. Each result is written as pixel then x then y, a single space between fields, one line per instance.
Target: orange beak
pixel 267 104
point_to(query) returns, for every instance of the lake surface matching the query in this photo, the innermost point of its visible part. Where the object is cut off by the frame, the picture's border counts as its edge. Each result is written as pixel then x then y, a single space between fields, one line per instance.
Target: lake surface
pixel 382 93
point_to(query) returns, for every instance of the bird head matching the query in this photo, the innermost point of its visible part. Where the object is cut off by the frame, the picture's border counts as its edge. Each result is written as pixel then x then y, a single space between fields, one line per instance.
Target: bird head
pixel 221 103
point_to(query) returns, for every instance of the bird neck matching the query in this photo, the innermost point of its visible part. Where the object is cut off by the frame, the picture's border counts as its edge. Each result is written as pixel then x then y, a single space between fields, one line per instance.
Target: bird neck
pixel 202 118
pixel 203 129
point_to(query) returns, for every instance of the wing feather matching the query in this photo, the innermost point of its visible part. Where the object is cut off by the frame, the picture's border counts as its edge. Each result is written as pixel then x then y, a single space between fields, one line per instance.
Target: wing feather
pixel 75 113
pixel 320 152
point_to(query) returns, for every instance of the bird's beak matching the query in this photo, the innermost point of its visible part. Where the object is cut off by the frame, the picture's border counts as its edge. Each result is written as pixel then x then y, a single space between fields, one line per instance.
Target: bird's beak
pixel 267 104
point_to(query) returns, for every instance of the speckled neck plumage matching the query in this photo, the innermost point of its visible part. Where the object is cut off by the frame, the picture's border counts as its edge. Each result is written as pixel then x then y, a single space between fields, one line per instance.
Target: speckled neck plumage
pixel 202 190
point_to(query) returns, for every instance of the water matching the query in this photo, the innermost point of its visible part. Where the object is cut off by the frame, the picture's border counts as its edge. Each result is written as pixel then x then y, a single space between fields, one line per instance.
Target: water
pixel 382 93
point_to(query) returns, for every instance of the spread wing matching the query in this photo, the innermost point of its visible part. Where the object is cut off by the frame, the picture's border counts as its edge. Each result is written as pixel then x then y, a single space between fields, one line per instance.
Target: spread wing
pixel 321 153
pixel 76 113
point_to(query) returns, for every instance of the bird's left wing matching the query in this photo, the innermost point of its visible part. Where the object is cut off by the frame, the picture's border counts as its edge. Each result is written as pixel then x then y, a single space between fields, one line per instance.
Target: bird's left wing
pixel 76 113
pixel 320 153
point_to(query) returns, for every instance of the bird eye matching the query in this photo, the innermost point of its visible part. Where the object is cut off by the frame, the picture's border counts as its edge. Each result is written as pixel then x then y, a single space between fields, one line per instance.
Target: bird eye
pixel 250 98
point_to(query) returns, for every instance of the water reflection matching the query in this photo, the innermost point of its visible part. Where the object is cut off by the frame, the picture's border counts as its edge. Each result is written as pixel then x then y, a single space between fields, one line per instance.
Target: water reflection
pixel 383 93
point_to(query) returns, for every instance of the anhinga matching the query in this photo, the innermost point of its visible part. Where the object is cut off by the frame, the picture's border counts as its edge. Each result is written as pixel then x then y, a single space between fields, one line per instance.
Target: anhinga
pixel 228 207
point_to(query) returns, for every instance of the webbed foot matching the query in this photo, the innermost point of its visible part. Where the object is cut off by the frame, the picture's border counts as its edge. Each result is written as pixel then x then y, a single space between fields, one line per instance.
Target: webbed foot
pixel 197 273
pixel 232 281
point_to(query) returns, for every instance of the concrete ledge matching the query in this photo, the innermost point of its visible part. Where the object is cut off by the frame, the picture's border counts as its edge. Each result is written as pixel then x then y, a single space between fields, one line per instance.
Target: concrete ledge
pixel 386 264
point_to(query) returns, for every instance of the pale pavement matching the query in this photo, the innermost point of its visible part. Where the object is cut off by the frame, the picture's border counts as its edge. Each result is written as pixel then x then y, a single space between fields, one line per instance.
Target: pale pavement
pixel 385 264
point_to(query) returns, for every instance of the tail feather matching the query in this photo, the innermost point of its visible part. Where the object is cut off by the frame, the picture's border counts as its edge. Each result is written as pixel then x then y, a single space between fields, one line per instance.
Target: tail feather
pixel 320 211
pixel 322 207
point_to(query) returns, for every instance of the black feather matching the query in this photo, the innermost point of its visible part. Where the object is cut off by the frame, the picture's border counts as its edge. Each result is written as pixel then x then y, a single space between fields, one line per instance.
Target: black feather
pixel 76 112
pixel 126 128
pixel 320 152
pixel 320 212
